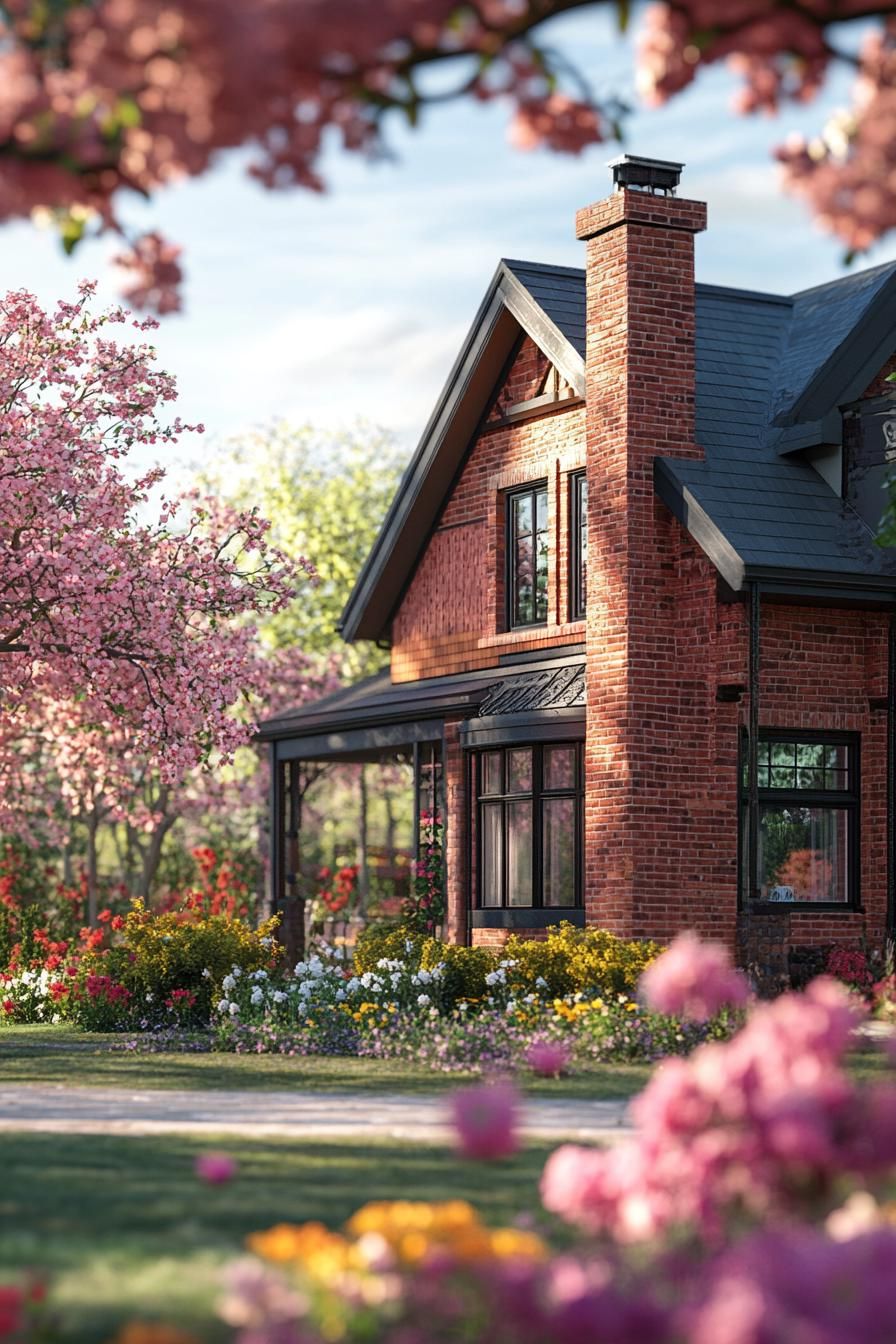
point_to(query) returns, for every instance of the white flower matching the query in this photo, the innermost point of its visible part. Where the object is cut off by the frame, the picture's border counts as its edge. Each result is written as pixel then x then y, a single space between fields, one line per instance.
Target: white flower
pixel 259 975
pixel 423 1000
pixel 279 996
pixel 223 1006
pixel 257 996
pixel 234 1010
pixel 353 985
pixel 55 1018
pixel 206 974
pixel 396 979
pixel 340 995
pixel 367 980
pixel 424 977
pixel 237 971
pixel 306 988
pixel 266 942
pixel 541 983
pixel 300 968
pixel 228 983
pixel 149 998
pixel 495 977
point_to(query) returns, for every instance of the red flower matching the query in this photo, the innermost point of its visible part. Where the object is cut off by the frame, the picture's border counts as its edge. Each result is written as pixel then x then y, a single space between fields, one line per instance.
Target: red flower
pixel 8 1006
pixel 104 916
pixel 117 922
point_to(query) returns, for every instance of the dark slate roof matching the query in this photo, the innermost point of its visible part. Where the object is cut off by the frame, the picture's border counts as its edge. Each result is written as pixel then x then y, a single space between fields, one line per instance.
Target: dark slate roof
pixel 552 683
pixel 560 293
pixel 562 688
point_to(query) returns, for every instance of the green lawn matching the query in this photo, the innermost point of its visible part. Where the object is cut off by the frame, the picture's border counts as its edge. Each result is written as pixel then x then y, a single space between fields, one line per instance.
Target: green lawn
pixel 60 1054
pixel 124 1230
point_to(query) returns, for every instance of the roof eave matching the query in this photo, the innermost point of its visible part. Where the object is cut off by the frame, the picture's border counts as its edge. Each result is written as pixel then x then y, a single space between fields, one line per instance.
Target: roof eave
pixel 694 518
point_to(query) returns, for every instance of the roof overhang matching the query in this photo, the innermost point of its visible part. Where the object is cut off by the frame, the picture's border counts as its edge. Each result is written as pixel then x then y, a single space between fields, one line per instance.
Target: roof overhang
pixel 506 311
pixel 814 417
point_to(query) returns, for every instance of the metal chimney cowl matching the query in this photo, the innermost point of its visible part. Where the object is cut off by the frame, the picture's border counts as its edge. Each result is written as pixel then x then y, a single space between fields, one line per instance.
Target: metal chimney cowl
pixel 658 177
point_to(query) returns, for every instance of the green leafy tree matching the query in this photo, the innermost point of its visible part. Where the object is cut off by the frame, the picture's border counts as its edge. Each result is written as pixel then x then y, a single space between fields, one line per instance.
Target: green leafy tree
pixel 326 494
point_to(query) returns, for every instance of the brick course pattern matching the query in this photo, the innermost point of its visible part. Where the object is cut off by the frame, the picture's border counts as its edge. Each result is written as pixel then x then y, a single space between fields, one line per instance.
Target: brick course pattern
pixel 452 616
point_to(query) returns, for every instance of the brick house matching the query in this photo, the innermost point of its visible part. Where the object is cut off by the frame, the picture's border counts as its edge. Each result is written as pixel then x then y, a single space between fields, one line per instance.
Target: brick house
pixel 643 649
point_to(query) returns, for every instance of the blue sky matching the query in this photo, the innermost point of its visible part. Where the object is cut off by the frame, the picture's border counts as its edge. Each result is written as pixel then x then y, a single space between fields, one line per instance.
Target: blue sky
pixel 324 309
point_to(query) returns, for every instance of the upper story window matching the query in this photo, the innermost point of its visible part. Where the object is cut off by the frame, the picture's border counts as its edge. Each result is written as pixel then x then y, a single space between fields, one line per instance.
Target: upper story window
pixel 527 556
pixel 807 840
pixel 578 545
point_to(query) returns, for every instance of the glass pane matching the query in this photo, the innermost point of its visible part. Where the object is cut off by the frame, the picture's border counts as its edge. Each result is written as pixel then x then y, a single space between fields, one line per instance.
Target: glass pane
pixel 782 778
pixel 559 767
pixel 803 854
pixel 541 510
pixel 541 556
pixel 519 853
pixel 810 755
pixel 492 855
pixel 558 851
pixel 519 771
pixel 524 583
pixel 521 506
pixel 491 772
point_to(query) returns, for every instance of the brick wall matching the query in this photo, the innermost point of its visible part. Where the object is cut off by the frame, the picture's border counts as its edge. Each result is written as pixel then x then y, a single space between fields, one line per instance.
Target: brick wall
pixel 650 770
pixel 451 618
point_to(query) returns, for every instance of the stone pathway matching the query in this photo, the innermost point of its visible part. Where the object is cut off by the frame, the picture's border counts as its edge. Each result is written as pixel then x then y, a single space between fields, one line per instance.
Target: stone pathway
pixel 43 1109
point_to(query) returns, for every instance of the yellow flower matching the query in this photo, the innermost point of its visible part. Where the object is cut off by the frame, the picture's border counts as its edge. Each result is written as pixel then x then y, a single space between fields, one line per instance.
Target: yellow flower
pixel 631 1007
pixel 412 1229
pixel 152 1332
pixel 311 1246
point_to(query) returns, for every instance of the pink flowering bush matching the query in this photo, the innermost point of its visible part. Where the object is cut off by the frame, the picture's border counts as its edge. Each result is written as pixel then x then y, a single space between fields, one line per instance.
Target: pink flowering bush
pixel 749 1206
pixel 694 980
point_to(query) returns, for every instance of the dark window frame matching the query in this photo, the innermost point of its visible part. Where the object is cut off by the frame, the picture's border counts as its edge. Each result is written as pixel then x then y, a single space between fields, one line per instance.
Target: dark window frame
pixel 848 800
pixel 532 489
pixel 577 589
pixel 536 796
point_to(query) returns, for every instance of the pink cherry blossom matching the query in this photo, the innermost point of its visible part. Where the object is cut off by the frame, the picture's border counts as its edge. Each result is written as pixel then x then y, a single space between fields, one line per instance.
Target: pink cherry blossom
pixel 132 634
pixel 693 980
pixel 485 1120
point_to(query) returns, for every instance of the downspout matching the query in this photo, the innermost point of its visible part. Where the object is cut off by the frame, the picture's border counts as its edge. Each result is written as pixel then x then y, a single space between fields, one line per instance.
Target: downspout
pixel 753 747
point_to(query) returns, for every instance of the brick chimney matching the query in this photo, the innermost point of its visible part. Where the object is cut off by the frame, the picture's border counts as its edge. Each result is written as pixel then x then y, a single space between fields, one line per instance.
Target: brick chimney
pixel 640 400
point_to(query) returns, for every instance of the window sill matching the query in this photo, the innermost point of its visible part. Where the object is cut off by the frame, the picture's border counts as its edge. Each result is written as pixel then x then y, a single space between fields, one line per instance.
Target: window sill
pixel 530 634
pixel 521 917
pixel 801 908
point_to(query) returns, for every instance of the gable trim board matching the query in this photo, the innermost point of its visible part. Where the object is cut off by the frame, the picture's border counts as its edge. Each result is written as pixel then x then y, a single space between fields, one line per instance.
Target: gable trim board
pixel 748 478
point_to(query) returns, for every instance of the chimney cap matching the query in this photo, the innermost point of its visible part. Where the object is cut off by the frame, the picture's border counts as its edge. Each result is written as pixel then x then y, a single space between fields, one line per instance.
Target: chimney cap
pixel 634 172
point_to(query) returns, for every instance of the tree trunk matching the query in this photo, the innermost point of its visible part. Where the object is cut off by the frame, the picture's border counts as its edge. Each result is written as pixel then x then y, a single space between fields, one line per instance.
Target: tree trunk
pixel 92 871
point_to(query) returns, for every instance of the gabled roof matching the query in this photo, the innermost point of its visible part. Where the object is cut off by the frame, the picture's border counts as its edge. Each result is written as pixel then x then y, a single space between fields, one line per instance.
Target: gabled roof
pixel 772 371
pixel 509 307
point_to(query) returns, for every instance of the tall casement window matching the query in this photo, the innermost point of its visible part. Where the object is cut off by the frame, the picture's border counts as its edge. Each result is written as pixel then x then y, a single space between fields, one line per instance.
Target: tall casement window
pixel 807 841
pixel 578 545
pixel 527 556
pixel 529 826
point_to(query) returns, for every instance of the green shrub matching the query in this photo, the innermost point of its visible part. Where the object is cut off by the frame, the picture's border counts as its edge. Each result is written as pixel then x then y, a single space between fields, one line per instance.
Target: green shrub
pixel 387 941
pixel 465 969
pixel 572 961
pixel 159 954
pixel 567 961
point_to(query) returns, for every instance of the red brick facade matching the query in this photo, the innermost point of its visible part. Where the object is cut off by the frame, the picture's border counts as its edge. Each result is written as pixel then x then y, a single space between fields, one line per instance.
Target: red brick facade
pixel 662 786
